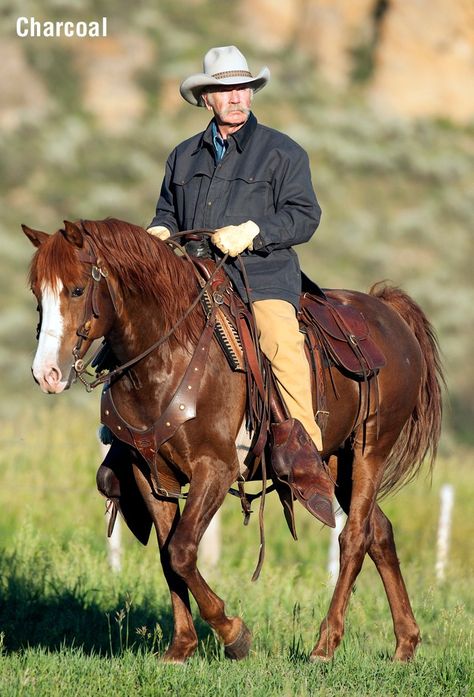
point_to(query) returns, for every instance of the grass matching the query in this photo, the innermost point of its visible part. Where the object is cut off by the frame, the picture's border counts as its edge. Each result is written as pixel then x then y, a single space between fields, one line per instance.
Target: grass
pixel 69 626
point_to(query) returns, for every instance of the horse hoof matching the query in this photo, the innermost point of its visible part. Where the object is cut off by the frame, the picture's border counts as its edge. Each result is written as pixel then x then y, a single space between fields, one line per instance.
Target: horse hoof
pixel 172 660
pixel 240 647
pixel 316 658
pixel 177 655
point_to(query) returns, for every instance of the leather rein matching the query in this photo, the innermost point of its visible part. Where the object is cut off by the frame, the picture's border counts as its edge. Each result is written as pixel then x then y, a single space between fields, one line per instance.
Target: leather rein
pixel 99 272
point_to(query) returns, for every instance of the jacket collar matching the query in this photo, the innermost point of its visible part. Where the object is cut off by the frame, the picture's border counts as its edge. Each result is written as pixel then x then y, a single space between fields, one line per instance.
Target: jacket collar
pixel 241 137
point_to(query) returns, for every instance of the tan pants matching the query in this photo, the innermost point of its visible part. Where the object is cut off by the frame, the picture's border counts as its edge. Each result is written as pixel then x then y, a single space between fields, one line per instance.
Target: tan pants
pixel 283 345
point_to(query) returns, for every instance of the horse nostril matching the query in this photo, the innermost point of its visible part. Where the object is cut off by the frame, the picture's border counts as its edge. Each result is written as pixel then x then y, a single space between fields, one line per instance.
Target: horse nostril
pixel 55 375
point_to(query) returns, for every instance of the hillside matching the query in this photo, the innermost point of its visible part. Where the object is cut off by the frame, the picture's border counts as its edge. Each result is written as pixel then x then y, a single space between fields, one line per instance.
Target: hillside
pixel 86 129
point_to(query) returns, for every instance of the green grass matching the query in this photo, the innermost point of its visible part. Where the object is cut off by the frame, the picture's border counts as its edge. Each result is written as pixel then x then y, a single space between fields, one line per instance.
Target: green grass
pixel 70 627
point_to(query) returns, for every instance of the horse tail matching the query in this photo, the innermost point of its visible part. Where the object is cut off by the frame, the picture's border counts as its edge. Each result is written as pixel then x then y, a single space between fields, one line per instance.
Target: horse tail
pixel 420 435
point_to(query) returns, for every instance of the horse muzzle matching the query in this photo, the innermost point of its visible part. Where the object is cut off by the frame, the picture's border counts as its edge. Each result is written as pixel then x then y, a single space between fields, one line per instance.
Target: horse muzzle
pixel 50 379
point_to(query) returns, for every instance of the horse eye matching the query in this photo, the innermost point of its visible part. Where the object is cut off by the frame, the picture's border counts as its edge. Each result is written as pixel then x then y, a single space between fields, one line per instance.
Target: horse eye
pixel 77 292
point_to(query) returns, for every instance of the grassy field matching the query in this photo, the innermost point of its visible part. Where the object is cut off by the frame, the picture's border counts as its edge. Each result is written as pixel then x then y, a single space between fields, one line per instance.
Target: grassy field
pixel 71 627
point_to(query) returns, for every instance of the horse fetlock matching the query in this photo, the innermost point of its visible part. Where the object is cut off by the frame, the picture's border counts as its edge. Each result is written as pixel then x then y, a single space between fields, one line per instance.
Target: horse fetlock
pixel 329 640
pixel 406 647
pixel 179 650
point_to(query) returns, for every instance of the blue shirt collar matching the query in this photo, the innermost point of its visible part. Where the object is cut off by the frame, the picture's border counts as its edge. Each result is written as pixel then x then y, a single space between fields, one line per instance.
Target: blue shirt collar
pixel 220 145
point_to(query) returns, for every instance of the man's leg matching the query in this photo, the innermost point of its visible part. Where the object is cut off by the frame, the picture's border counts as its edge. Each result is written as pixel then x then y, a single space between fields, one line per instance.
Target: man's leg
pixel 283 345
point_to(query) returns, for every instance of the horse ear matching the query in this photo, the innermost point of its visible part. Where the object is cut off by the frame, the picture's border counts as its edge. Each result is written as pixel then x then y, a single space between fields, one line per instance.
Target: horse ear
pixel 36 237
pixel 73 234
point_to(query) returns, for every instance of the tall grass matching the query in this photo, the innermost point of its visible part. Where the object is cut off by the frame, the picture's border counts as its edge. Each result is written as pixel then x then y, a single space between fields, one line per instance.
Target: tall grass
pixel 70 626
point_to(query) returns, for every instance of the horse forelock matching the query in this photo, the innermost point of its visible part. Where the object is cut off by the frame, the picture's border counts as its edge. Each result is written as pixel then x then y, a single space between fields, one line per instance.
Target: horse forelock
pixel 145 266
pixel 54 264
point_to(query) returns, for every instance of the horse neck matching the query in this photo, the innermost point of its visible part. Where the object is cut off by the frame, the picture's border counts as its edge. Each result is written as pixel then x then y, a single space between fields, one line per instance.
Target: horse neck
pixel 138 325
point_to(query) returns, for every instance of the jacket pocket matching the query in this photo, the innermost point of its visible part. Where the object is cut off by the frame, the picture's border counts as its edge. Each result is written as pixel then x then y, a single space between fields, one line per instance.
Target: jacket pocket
pixel 186 194
pixel 249 196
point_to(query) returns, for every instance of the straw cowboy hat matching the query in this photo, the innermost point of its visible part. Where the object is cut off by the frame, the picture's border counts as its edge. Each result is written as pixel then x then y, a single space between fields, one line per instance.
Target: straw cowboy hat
pixel 224 65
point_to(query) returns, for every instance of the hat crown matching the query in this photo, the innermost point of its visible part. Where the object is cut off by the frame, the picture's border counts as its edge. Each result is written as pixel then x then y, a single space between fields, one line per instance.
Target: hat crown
pixel 224 59
pixel 223 66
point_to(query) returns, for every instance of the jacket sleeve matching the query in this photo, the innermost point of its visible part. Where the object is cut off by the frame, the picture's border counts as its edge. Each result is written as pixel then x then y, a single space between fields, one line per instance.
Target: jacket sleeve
pixel 297 212
pixel 165 208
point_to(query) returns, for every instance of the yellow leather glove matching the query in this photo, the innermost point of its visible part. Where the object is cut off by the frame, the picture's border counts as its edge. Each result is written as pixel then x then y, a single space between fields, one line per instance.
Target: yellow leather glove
pixel 233 239
pixel 159 231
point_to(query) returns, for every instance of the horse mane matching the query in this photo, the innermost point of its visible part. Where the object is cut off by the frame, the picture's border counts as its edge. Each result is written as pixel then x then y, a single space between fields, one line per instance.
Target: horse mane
pixel 141 265
pixel 144 265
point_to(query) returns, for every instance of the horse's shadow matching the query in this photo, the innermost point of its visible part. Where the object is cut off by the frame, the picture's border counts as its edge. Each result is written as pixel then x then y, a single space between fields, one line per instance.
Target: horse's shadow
pixel 29 618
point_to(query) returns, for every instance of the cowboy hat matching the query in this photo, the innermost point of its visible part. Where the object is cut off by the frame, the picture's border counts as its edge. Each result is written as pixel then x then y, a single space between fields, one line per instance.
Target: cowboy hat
pixel 224 65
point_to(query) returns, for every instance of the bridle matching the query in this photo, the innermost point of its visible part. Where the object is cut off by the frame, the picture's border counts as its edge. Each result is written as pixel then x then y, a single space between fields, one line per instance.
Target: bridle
pixel 92 311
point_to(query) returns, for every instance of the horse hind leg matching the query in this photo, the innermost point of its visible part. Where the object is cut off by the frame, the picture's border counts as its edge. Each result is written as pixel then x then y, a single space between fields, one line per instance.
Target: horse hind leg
pixel 383 553
pixel 209 485
pixel 354 542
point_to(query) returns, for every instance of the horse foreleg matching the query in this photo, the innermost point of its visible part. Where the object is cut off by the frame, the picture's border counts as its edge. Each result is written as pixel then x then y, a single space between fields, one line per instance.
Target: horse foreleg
pixel 384 554
pixel 354 542
pixel 209 485
pixel 166 515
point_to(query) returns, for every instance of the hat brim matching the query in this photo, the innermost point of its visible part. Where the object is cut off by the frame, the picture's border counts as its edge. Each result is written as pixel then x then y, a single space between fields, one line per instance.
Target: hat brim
pixel 192 88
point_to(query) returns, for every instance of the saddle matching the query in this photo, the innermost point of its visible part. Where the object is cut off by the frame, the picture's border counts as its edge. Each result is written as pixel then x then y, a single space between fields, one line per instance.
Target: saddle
pixel 338 331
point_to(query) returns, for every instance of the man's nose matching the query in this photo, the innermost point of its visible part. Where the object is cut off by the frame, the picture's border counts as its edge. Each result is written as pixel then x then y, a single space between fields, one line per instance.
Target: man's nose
pixel 234 96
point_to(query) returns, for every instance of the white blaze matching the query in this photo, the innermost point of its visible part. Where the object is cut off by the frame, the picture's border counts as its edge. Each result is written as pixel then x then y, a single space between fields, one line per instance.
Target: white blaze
pixel 51 331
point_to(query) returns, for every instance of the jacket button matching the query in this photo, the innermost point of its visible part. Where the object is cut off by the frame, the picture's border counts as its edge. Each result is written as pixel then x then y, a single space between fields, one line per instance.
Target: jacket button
pixel 250 179
pixel 209 203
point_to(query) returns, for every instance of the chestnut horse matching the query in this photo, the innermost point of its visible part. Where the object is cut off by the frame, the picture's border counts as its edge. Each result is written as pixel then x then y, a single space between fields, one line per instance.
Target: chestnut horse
pixel 147 288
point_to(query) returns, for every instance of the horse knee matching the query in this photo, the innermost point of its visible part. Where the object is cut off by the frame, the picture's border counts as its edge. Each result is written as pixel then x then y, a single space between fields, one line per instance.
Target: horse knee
pixel 182 557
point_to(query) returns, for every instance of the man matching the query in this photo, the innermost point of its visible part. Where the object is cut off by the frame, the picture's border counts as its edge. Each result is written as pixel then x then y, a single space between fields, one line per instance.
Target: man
pixel 253 185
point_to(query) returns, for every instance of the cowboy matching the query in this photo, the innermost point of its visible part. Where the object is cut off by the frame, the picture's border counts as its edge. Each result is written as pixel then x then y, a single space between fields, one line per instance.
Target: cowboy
pixel 252 184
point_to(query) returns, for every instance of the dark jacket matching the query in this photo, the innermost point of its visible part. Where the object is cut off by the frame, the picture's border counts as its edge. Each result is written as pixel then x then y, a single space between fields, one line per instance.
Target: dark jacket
pixel 265 177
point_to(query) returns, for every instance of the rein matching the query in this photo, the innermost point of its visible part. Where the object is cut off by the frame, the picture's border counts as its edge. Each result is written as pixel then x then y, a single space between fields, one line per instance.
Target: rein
pixel 79 366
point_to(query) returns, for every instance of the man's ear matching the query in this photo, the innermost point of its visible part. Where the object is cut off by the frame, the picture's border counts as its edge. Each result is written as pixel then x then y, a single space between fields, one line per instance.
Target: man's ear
pixel 73 234
pixel 205 99
pixel 36 237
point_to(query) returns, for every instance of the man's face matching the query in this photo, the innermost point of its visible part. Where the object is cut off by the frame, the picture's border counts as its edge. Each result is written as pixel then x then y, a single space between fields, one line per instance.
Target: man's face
pixel 231 105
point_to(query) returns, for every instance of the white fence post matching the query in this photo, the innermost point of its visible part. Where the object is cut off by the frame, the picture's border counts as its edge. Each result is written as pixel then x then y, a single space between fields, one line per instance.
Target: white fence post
pixel 210 547
pixel 444 530
pixel 333 559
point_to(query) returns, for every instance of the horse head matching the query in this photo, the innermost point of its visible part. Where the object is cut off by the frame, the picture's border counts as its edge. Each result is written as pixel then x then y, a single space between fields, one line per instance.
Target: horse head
pixel 75 306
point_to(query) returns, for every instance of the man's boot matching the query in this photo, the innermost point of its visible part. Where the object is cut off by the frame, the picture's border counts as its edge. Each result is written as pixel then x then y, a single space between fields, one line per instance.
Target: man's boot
pixel 297 462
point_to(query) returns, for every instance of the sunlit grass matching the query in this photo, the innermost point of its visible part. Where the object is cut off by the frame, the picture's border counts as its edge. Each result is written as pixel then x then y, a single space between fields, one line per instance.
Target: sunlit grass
pixel 64 613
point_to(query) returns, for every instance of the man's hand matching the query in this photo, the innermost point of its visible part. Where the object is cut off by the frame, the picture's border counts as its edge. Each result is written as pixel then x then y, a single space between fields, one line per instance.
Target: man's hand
pixel 159 231
pixel 233 239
